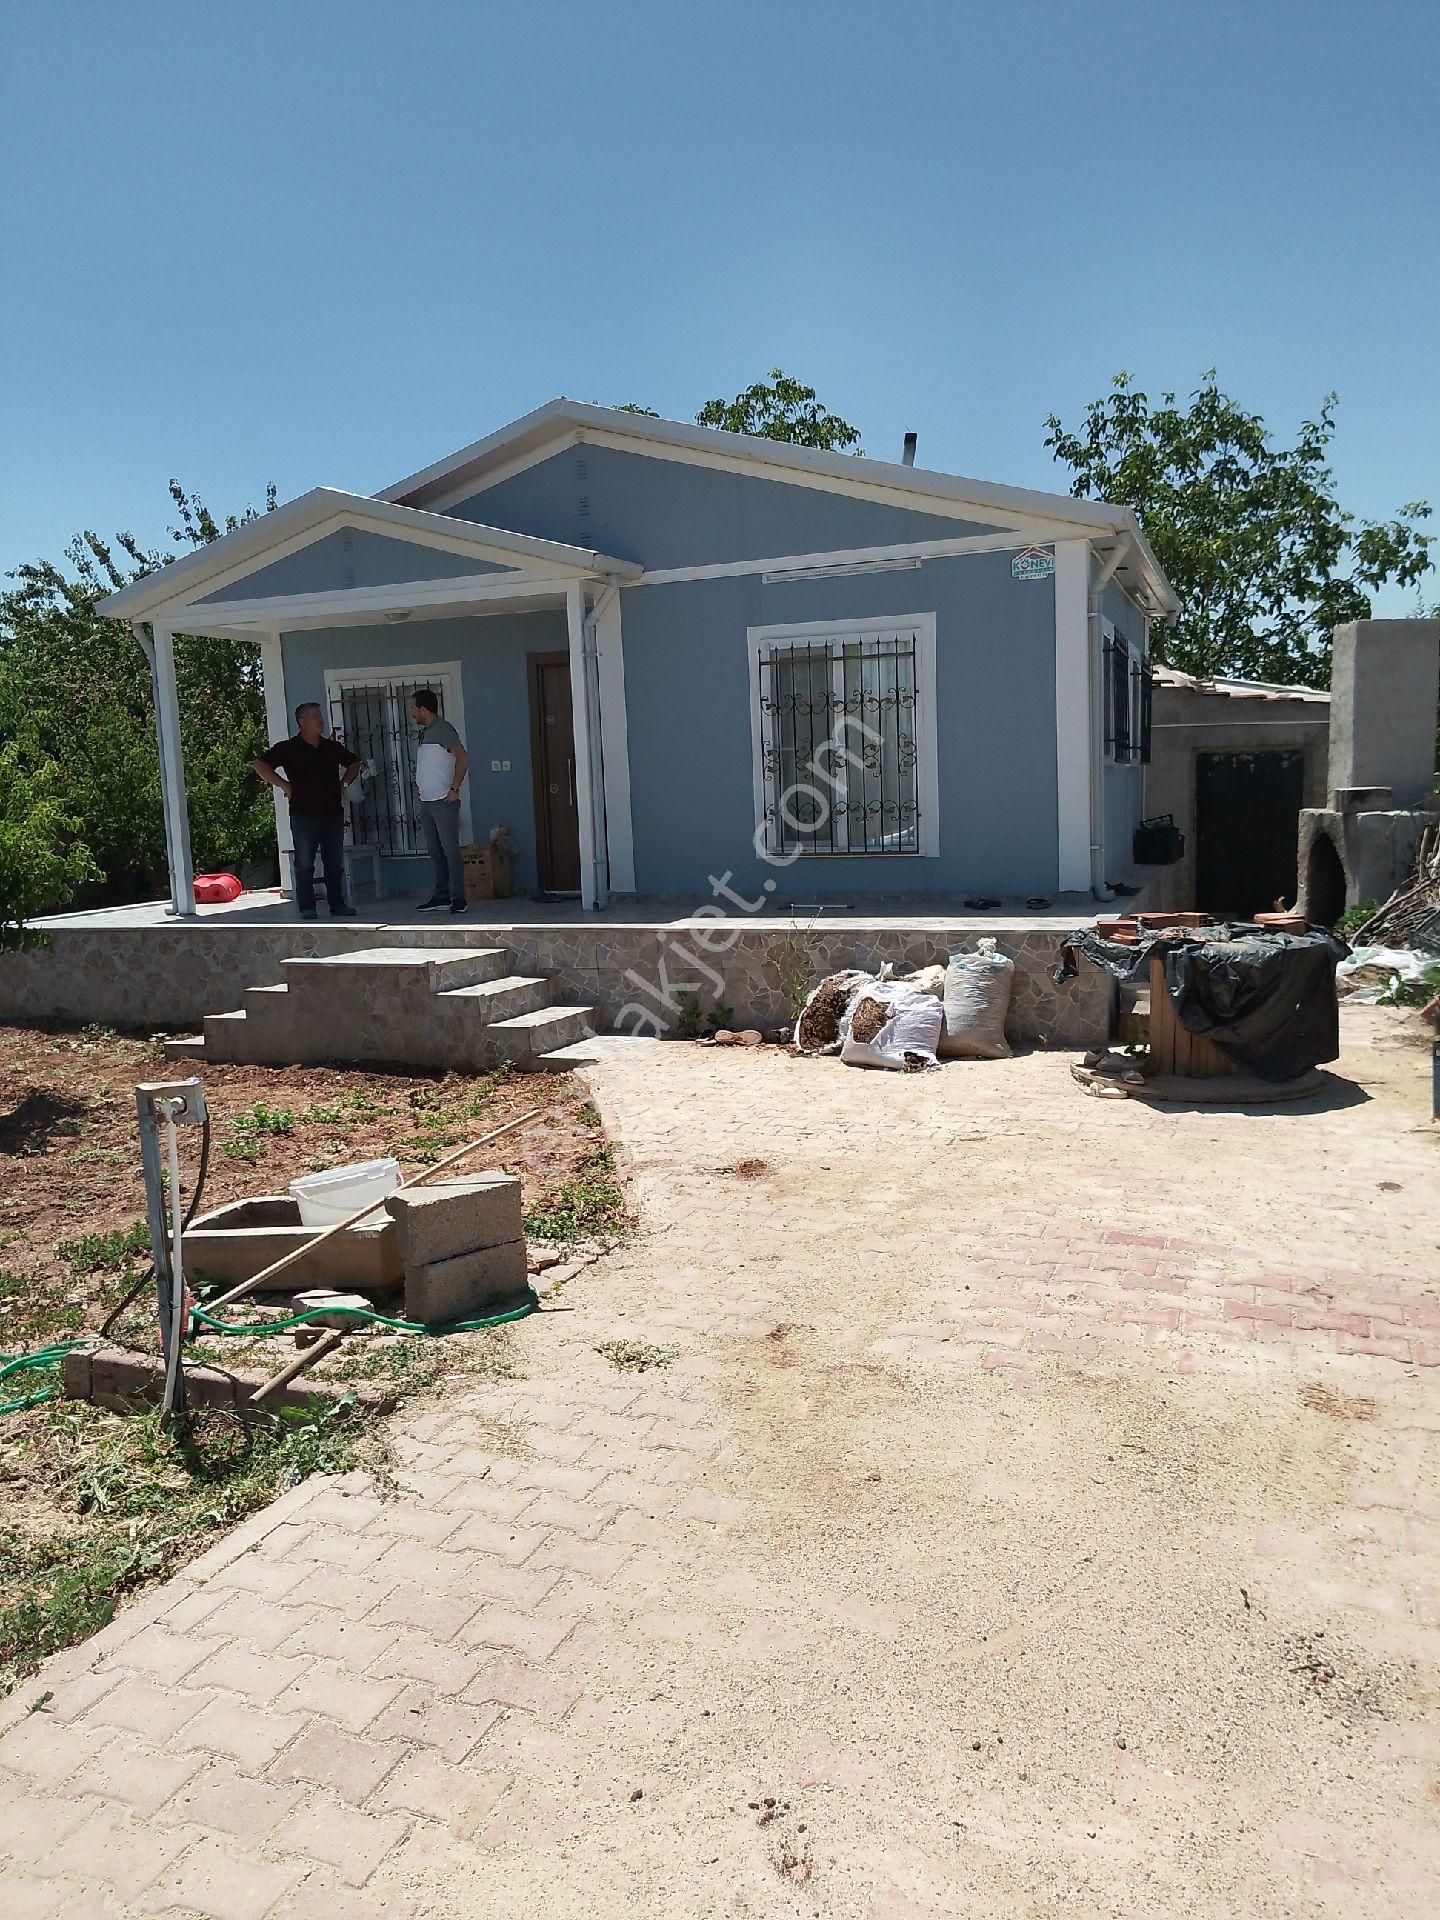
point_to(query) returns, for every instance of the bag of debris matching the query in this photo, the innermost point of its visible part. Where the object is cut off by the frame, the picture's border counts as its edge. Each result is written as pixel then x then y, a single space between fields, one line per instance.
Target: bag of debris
pixel 977 998
pixel 892 1025
pixel 926 980
pixel 818 1028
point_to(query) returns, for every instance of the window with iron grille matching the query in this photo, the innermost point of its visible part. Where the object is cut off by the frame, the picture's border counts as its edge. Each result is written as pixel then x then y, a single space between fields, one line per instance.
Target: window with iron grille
pixel 371 714
pixel 842 738
pixel 1128 693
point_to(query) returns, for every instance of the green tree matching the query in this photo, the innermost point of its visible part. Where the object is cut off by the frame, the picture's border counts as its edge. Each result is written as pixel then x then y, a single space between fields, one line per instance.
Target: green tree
pixel 82 681
pixel 42 862
pixel 1251 534
pixel 785 410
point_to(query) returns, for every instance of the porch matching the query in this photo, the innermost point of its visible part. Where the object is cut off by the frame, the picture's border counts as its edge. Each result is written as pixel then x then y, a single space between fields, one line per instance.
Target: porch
pixel 630 966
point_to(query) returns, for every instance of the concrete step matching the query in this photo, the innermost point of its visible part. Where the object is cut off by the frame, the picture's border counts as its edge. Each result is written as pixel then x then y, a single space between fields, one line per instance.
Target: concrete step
pixel 225 1037
pixel 529 1035
pixel 490 1000
pixel 565 1059
pixel 430 969
pixel 185 1046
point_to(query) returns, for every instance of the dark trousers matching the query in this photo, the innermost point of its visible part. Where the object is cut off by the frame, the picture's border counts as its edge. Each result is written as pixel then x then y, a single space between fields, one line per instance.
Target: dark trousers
pixel 441 820
pixel 322 833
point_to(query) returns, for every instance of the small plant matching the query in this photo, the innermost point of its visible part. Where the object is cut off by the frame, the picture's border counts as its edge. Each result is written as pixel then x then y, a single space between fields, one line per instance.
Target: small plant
pixel 105 1252
pixel 1351 921
pixel 351 1111
pixel 589 1206
pixel 1411 993
pixel 691 1021
pixel 250 1129
pixel 589 1115
pixel 721 1017
pixel 635 1356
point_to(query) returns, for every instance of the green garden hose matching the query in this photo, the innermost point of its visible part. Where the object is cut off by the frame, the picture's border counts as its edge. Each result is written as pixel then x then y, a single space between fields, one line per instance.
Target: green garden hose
pixel 200 1318
pixel 43 1357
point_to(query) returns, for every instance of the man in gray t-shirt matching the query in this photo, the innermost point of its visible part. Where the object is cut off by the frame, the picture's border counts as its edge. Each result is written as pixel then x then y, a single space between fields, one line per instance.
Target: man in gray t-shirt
pixel 441 764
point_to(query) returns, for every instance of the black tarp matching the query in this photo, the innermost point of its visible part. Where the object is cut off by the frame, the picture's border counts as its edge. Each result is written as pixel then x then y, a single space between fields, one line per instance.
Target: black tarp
pixel 1266 999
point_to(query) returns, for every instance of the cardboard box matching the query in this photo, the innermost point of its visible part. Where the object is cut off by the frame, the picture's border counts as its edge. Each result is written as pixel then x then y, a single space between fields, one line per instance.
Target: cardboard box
pixel 487 873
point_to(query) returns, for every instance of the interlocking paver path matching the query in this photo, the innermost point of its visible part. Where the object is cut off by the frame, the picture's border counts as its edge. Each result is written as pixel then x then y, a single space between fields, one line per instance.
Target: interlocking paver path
pixel 1039 1515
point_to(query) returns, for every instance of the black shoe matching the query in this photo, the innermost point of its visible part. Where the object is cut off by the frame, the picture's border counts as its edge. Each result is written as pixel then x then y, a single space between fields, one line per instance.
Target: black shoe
pixel 344 913
pixel 434 904
pixel 458 906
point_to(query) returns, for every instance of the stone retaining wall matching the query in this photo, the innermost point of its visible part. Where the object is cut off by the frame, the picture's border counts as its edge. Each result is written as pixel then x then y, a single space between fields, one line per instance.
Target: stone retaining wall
pixel 165 979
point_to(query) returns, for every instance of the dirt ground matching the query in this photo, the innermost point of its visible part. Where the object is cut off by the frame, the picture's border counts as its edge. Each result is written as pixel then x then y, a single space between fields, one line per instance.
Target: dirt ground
pixel 72 1200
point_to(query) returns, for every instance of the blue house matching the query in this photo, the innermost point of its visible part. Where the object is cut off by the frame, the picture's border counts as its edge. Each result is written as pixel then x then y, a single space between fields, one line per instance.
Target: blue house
pixel 677 654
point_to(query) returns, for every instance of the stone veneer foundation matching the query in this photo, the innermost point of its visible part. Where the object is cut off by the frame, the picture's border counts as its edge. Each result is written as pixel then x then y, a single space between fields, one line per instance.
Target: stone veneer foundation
pixel 166 979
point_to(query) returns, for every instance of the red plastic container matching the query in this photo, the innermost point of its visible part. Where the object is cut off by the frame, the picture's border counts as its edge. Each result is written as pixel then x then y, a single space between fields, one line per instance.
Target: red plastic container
pixel 214 889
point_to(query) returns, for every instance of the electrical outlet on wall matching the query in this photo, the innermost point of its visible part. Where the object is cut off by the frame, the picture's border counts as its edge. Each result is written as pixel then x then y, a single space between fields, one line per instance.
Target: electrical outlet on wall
pixel 495 766
pixel 504 766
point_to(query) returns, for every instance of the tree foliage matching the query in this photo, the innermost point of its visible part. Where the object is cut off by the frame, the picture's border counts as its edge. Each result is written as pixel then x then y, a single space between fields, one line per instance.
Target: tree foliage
pixel 87 749
pixel 42 861
pixel 783 410
pixel 1251 534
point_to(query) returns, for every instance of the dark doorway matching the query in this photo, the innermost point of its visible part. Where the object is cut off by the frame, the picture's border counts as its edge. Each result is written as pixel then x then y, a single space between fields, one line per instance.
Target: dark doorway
pixel 1247 822
pixel 1324 882
pixel 552 756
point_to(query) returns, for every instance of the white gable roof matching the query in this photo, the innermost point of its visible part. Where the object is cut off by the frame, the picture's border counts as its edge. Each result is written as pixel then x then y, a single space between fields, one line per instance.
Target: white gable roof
pixel 312 514
pixel 559 419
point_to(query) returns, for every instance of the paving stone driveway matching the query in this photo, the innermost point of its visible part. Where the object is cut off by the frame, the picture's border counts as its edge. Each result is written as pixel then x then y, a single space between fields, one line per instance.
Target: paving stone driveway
pixel 1038 1514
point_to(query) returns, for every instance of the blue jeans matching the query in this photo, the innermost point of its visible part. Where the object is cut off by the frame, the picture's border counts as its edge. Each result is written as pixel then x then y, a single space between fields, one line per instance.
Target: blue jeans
pixel 322 833
pixel 442 842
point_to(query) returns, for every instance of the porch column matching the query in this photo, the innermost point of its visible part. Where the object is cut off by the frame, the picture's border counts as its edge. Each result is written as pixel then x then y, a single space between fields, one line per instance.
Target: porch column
pixel 277 725
pixel 172 772
pixel 580 708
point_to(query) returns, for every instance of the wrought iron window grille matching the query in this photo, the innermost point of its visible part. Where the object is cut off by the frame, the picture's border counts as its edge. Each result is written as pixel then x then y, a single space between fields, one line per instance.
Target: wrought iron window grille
pixel 372 718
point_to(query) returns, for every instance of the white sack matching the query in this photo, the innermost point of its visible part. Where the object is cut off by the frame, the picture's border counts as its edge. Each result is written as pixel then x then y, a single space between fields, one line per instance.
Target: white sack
pixel 818 1028
pixel 1367 974
pixel 926 980
pixel 906 1043
pixel 977 998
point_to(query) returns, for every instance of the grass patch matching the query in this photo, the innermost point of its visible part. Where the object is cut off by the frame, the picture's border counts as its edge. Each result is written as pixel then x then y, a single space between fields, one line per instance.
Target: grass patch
pixel 30 1318
pixel 351 1111
pixel 588 1206
pixel 106 1252
pixel 139 1503
pixel 250 1130
pixel 635 1356
pixel 411 1362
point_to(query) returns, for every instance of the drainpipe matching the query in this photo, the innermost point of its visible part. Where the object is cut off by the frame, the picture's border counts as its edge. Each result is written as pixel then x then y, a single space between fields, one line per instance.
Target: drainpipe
pixel 1097 722
pixel 590 656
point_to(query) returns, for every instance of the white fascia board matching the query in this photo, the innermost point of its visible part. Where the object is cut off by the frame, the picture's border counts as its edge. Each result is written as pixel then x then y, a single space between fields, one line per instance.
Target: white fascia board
pixel 1036 534
pixel 428 598
pixel 323 509
pixel 470 467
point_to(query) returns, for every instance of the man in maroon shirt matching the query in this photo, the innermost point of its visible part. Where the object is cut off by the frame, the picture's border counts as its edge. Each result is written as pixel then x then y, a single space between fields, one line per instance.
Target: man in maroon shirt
pixel 312 773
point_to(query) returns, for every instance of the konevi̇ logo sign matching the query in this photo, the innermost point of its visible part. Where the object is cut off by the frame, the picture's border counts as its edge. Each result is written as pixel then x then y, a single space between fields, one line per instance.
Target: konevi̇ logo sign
pixel 1035 563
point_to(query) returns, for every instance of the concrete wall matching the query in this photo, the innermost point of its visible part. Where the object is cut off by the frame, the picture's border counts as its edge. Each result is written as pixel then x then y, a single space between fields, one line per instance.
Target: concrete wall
pixel 1189 721
pixel 166 979
pixel 492 654
pixel 667 513
pixel 350 558
pixel 688 693
pixel 1383 685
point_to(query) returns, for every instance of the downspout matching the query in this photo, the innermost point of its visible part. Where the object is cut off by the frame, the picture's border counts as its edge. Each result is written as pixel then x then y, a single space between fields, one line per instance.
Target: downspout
pixel 590 661
pixel 1098 887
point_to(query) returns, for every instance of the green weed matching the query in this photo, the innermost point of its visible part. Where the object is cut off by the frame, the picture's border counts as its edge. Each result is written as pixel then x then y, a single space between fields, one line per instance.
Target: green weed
pixel 635 1356
pixel 106 1252
pixel 588 1206
pixel 249 1130
pixel 142 1501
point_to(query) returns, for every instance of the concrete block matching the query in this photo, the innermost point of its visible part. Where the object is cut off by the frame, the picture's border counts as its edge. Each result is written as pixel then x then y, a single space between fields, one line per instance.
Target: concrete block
pixel 455 1216
pixel 468 1286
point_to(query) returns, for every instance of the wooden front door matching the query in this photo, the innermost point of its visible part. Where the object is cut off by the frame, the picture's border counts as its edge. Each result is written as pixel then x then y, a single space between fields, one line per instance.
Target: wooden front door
pixel 552 756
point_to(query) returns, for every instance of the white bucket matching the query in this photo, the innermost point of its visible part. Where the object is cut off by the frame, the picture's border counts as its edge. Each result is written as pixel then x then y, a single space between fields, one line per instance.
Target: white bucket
pixel 328 1198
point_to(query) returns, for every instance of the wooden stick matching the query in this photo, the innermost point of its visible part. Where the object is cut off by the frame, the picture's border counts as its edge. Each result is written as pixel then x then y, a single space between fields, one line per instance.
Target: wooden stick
pixel 413 1180
pixel 306 1357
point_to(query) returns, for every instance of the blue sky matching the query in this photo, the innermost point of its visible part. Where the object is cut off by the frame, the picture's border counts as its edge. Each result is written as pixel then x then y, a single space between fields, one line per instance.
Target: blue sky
pixel 324 242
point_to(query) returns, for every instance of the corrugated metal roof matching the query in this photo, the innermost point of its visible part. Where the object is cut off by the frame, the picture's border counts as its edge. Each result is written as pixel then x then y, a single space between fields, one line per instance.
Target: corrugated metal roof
pixel 1238 689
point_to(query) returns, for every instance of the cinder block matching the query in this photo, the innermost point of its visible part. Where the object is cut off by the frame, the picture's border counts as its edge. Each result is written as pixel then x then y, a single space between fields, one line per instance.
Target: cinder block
pixel 455 1216
pixel 467 1287
pixel 75 1374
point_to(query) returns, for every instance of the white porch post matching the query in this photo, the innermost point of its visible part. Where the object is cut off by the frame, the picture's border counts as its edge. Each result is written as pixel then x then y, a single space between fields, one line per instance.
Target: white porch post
pixel 277 725
pixel 172 771
pixel 580 709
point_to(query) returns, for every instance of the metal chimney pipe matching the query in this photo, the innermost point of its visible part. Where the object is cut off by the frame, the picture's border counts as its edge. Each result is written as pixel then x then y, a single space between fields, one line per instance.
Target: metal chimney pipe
pixel 908 457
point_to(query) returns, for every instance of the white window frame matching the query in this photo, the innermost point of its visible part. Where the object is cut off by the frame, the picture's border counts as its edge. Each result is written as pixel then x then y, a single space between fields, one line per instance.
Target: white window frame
pixel 446 678
pixel 927 783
